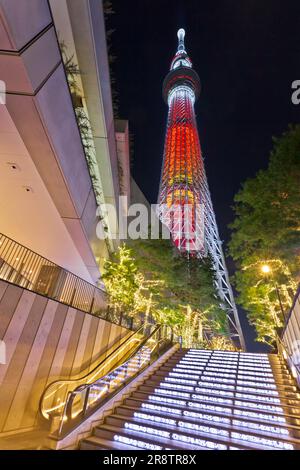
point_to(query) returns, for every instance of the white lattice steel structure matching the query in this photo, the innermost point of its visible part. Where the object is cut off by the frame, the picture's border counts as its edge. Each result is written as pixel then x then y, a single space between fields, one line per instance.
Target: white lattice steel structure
pixel 185 205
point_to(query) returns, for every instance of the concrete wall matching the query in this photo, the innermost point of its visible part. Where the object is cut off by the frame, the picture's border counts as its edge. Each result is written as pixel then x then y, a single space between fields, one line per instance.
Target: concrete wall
pixel 45 341
pixel 80 25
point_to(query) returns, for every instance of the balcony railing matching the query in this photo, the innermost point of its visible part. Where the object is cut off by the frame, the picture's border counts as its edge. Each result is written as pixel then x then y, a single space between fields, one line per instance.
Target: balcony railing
pixel 290 337
pixel 25 268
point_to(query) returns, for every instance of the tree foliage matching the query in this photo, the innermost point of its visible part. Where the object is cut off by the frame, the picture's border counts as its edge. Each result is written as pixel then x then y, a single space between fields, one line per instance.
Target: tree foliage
pixel 185 281
pixel 127 288
pixel 266 230
pixel 150 277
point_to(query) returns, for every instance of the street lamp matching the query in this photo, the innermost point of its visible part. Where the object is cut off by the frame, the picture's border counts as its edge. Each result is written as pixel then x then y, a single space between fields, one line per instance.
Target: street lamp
pixel 266 269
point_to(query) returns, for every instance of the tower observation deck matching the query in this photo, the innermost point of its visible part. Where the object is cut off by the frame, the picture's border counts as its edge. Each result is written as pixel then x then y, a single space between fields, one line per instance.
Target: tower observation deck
pixel 184 203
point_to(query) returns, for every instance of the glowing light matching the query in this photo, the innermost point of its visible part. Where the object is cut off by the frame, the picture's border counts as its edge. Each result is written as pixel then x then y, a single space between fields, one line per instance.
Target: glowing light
pixel 204 406
pixel 262 440
pixel 256 415
pixel 258 406
pixel 176 374
pixel 253 376
pixel 207 417
pixel 227 401
pixel 181 381
pixel 217 379
pixel 255 384
pixel 257 398
pixel 265 269
pixel 171 401
pixel 218 373
pixel 165 409
pixel 172 392
pixel 187 366
pixel 216 392
pixel 136 443
pixel 179 387
pixel 156 419
pixel 217 386
pixel 261 427
pixel 147 430
pixel 199 442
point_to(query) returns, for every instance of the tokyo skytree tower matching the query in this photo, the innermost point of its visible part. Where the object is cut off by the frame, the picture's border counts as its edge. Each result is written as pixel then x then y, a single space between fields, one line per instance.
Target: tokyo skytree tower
pixel 184 204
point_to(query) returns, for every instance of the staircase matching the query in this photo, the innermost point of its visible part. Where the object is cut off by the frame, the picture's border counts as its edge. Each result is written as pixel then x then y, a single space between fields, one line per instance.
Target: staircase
pixel 203 400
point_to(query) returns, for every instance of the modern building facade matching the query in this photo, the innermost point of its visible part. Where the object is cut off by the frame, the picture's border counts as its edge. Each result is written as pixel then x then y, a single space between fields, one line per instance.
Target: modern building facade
pixel 58 147
pixel 61 157
pixel 185 205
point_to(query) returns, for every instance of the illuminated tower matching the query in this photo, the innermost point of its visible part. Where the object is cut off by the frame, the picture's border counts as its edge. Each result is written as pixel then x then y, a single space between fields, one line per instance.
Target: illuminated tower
pixel 184 204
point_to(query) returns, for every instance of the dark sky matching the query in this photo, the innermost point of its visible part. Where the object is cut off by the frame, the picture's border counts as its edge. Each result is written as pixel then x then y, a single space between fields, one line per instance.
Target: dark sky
pixel 246 52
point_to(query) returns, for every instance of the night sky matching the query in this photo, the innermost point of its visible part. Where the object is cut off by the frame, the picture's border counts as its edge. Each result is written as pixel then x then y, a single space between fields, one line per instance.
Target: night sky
pixel 247 54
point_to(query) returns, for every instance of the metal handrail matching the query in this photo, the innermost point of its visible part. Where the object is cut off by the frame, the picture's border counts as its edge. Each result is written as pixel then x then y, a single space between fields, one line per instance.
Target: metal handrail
pixel 289 338
pixel 297 367
pixel 25 268
pixel 58 384
pixel 290 313
pixel 109 382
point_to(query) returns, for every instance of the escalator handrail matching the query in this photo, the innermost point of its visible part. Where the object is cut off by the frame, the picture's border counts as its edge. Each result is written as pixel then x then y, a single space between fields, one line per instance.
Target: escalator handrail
pixel 145 340
pixel 82 388
pixel 68 381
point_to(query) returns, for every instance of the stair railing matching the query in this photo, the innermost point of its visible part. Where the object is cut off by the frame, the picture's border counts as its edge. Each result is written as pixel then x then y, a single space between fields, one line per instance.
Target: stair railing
pixel 292 364
pixel 289 339
pixel 67 403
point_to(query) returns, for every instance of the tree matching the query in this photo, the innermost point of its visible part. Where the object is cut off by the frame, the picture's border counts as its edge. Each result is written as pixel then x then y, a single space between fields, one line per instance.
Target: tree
pixel 152 278
pixel 128 290
pixel 266 229
pixel 185 297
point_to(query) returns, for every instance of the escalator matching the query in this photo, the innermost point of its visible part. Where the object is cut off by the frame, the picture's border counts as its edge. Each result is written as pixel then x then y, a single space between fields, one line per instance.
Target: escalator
pixel 65 404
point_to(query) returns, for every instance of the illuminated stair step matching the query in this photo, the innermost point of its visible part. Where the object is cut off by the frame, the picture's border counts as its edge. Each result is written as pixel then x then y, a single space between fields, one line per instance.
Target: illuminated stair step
pixel 219 412
pixel 210 385
pixel 194 373
pixel 184 399
pixel 174 385
pixel 97 443
pixel 207 400
pixel 208 419
pixel 210 372
pixel 171 435
pixel 110 432
pixel 181 362
pixel 228 369
pixel 271 389
pixel 229 396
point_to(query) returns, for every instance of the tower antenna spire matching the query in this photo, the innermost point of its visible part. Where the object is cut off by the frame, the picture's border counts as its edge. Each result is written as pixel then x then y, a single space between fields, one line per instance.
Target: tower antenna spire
pixel 181 35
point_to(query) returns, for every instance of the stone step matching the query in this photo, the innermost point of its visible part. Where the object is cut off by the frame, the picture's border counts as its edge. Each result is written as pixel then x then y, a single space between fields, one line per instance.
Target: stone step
pixel 110 432
pixel 167 438
pixel 207 403
pixel 133 405
pixel 271 368
pixel 287 433
pixel 246 401
pixel 216 389
pixel 97 443
pixel 282 380
pixel 186 392
pixel 242 412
